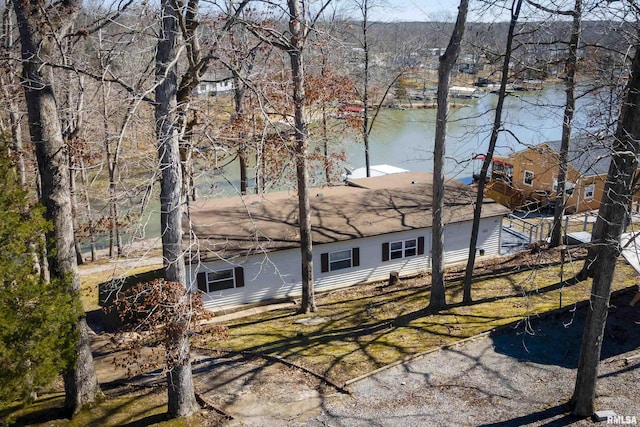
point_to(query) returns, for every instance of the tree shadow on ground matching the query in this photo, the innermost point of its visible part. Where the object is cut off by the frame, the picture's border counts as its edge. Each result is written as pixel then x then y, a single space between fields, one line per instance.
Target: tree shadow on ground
pixel 44 416
pixel 539 417
pixel 555 338
pixel 147 421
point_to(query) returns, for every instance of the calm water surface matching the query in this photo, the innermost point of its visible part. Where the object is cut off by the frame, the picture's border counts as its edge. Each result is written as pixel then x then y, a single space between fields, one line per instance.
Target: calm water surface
pixel 404 138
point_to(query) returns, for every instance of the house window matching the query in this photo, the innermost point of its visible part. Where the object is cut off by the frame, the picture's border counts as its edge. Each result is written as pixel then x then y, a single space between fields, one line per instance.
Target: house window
pixel 568 187
pixel 212 281
pixel 333 261
pixel 402 249
pixel 528 178
pixel 589 189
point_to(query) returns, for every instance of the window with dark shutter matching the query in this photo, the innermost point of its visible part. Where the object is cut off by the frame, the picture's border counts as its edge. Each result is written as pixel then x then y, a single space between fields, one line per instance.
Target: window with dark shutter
pixel 385 252
pixel 402 249
pixel 202 281
pixel 221 280
pixel 355 254
pixel 239 273
pixel 340 259
pixel 324 262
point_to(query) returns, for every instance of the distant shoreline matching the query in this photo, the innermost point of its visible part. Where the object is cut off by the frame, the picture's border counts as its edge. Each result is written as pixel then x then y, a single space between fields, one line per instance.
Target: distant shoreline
pixel 423 106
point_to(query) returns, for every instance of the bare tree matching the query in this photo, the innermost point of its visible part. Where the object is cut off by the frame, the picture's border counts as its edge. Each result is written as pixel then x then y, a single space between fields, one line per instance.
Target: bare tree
pixel 9 84
pixel 297 40
pixel 41 28
pixel 447 62
pixel 364 8
pixel 242 61
pixel 293 44
pixel 567 121
pixel 365 91
pixel 614 206
pixel 497 125
pixel 181 395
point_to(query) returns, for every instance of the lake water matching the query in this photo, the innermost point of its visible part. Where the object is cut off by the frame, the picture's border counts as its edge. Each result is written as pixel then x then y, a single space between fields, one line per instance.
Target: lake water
pixel 404 138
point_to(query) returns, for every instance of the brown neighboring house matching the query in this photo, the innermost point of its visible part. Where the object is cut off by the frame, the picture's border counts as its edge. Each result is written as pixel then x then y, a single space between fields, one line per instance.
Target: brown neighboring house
pixel 527 180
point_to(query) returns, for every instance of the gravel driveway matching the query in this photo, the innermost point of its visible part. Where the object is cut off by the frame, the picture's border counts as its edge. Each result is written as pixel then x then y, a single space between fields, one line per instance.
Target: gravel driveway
pixel 521 376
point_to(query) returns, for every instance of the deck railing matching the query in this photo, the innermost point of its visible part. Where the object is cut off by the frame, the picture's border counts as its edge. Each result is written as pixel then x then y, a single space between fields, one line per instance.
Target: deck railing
pixel 539 229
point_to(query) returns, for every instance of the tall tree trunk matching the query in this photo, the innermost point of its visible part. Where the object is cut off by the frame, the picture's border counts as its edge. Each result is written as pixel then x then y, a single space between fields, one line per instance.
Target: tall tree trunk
pixel 238 100
pixel 325 145
pixel 112 156
pixel 447 61
pixel 242 160
pixel 304 205
pixel 112 167
pixel 365 95
pixel 73 166
pixel 87 201
pixel 35 26
pixel 71 126
pixel 181 395
pixel 497 125
pixel 325 124
pixel 615 202
pixel 567 125
pixel 7 91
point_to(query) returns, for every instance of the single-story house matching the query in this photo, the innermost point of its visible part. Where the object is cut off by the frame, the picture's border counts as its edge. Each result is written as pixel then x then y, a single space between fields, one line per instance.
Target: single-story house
pixel 214 83
pixel 246 250
pixel 529 178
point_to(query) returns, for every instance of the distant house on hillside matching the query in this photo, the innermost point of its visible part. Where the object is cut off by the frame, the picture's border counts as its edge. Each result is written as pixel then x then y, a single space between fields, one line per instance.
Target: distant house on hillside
pixel 528 179
pixel 213 85
pixel 247 248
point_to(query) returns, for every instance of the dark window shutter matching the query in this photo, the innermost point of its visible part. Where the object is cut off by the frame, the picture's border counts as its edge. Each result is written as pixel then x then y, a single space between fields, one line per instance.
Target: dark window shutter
pixel 385 252
pixel 355 257
pixel 324 262
pixel 202 281
pixel 421 245
pixel 239 274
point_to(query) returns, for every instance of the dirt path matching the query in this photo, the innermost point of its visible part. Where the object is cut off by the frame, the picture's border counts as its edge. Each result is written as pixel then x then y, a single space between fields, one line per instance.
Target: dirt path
pixel 136 254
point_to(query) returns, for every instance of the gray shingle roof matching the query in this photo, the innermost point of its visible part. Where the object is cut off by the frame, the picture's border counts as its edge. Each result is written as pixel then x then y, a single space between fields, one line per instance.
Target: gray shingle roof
pixel 589 155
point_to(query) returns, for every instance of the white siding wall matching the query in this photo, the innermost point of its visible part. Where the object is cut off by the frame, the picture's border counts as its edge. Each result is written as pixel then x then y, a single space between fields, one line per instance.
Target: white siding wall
pixel 277 274
pixel 266 276
pixel 371 266
pixel 457 236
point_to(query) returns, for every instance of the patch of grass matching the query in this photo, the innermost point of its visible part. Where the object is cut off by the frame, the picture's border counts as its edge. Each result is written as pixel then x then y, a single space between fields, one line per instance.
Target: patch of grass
pixel 370 326
pixel 90 283
pixel 145 407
